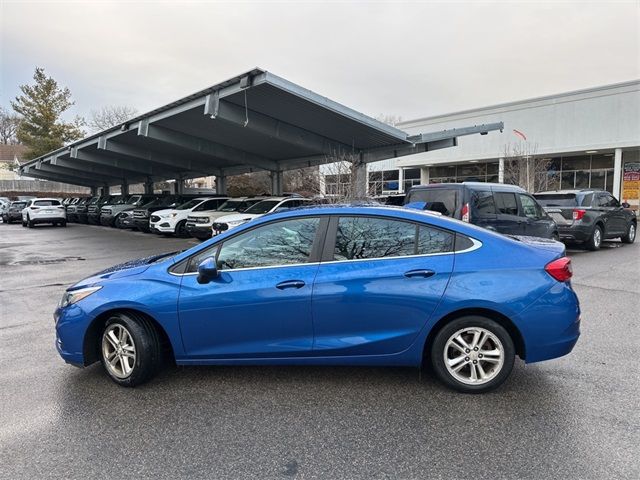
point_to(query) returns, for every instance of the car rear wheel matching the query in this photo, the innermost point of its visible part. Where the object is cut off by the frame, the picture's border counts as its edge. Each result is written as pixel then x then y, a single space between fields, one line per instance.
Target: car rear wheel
pixel 595 240
pixel 130 349
pixel 30 223
pixel 630 237
pixel 472 354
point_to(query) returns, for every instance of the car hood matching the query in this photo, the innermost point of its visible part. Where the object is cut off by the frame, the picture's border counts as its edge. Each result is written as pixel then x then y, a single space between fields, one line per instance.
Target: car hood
pixel 234 217
pixel 126 269
pixel 165 211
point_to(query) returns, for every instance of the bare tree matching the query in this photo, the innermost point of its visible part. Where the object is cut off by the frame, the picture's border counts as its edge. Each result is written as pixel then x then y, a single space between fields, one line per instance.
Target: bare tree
pixel 523 167
pixel 110 116
pixel 9 123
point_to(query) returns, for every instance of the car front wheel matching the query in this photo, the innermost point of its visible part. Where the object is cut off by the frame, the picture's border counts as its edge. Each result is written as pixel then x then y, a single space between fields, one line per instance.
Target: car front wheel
pixel 472 354
pixel 630 237
pixel 130 349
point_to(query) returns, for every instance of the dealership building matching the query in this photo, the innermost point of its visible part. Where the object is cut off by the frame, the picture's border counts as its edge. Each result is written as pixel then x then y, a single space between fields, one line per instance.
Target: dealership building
pixel 586 139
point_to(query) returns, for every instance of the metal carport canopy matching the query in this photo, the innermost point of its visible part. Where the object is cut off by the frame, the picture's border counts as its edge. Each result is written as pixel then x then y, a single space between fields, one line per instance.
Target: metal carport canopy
pixel 254 121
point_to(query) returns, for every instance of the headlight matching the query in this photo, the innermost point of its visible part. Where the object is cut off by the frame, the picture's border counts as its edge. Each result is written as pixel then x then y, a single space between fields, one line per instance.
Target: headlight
pixel 74 296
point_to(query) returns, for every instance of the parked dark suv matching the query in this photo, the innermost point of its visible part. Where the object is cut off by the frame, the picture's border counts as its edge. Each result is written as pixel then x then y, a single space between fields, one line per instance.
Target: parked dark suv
pixel 14 212
pixel 504 208
pixel 589 216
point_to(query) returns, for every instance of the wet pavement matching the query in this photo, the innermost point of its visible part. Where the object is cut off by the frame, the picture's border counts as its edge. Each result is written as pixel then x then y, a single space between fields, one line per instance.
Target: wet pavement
pixel 575 417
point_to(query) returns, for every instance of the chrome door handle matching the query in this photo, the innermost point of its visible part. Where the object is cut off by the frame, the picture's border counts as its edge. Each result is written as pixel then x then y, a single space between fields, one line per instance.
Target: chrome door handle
pixel 419 273
pixel 290 284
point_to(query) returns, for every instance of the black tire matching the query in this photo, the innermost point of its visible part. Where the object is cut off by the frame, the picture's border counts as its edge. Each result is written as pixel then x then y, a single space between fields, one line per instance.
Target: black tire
pixel 595 240
pixel 148 348
pixel 555 236
pixel 63 223
pixel 24 224
pixel 181 229
pixel 30 223
pixel 448 330
pixel 630 236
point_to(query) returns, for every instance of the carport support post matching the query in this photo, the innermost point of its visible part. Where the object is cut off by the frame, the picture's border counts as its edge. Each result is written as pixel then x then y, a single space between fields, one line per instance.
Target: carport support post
pixel 148 187
pixel 179 186
pixel 359 178
pixel 277 180
pixel 221 184
pixel 124 188
pixel 94 191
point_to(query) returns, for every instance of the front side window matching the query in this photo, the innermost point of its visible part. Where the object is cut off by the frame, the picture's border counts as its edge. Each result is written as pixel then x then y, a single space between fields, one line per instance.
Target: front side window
pixel 287 242
pixel 528 206
pixel 506 203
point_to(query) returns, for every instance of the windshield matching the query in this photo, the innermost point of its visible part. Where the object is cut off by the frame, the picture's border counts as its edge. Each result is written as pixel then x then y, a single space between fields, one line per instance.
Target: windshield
pixel 564 200
pixel 133 199
pixel 231 206
pixel 120 201
pixel 189 205
pixel 262 207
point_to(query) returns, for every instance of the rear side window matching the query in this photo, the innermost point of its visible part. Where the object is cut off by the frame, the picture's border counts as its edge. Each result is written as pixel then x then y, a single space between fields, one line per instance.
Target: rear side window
pixel 443 200
pixel 506 203
pixel 46 203
pixel 433 240
pixel 482 202
pixel 371 237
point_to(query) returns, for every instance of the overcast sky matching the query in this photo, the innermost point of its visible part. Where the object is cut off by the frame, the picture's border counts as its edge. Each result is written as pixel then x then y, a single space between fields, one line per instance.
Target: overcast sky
pixel 408 59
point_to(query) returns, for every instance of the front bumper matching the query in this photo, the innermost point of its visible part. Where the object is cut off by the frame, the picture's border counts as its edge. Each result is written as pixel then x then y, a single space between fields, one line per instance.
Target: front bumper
pixel 164 225
pixel 199 231
pixel 142 224
pixel 107 220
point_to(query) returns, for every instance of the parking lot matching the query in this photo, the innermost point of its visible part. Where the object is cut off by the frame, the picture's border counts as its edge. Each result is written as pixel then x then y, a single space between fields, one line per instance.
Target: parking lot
pixel 575 417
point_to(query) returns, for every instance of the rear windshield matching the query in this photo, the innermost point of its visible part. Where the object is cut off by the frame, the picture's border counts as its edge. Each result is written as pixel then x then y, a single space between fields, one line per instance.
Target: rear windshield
pixel 18 204
pixel 46 203
pixel 564 199
pixel 443 200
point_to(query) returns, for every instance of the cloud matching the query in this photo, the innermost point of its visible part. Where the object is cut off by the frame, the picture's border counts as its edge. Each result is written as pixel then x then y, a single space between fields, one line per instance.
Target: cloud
pixel 408 59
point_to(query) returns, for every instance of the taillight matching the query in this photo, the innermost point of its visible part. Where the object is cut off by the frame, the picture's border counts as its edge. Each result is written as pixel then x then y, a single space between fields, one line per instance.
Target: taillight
pixel 578 214
pixel 560 269
pixel 465 213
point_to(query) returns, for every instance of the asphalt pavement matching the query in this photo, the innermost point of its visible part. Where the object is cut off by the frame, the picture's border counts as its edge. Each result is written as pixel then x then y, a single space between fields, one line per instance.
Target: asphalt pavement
pixel 574 417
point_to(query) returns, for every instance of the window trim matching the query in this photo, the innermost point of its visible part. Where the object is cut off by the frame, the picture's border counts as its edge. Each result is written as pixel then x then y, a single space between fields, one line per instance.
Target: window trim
pixel 314 256
pixel 332 234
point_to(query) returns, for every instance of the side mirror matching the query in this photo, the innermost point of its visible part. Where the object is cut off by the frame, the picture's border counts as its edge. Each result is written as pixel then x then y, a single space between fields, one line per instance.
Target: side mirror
pixel 207 270
pixel 625 205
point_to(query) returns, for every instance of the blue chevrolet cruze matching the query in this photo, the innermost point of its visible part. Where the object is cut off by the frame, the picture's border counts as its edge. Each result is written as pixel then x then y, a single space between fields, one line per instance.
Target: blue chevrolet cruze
pixel 342 285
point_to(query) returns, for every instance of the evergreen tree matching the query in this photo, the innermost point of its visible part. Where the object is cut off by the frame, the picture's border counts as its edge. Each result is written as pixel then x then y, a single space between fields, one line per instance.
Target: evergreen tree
pixel 41 106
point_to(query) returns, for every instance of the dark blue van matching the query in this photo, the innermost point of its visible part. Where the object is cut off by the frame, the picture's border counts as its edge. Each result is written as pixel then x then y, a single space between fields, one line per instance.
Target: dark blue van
pixel 496 206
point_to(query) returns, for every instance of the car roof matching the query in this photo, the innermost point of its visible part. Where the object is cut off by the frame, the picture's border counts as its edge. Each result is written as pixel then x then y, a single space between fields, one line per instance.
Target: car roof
pixel 477 185
pixel 565 192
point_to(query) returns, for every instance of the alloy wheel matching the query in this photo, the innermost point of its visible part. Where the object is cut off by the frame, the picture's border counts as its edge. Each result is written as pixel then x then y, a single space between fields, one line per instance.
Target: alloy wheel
pixel 118 350
pixel 473 355
pixel 597 237
pixel 632 232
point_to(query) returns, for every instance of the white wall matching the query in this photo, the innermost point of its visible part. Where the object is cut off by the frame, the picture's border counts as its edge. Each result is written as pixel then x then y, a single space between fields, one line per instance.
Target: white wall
pixel 595 119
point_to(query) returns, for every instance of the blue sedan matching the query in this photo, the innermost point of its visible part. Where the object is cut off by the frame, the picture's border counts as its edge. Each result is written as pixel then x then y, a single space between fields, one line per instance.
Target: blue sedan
pixel 342 285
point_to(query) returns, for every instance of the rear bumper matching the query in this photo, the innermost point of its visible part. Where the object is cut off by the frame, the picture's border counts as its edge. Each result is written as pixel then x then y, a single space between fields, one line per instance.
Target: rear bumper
pixel 37 220
pixel 576 233
pixel 550 327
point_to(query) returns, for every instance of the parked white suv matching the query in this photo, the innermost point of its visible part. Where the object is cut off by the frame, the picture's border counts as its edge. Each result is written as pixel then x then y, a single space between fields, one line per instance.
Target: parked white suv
pixel 267 205
pixel 44 210
pixel 172 221
pixel 199 223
